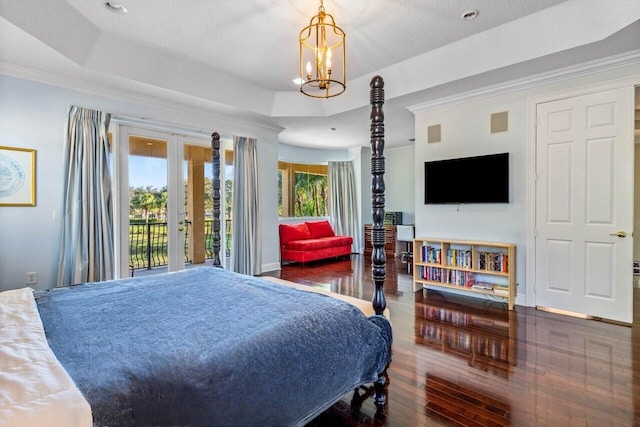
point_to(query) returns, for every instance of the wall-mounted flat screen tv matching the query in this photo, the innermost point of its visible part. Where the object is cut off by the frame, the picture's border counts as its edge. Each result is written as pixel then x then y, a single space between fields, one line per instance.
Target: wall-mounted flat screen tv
pixel 479 179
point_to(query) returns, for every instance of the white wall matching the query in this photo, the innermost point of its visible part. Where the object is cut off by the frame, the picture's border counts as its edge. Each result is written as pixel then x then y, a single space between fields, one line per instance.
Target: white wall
pixel 365 189
pixel 636 203
pixel 33 115
pixel 399 181
pixel 636 183
pixel 465 132
pixel 268 175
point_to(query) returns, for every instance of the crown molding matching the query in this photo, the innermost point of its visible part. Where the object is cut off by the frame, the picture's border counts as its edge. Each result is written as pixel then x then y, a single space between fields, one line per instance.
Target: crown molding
pixel 586 68
pixel 160 126
pixel 209 112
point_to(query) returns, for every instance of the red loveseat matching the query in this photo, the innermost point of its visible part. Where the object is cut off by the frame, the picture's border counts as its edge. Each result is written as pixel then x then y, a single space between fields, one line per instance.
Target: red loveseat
pixel 310 241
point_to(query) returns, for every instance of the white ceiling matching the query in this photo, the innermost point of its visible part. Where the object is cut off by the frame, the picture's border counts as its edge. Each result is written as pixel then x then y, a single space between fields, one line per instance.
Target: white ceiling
pixel 240 57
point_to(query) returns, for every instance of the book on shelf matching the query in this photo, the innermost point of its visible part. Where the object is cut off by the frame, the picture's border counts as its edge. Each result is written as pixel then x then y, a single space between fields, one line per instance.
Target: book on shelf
pixel 491 287
pixel 459 258
pixel 431 273
pixel 493 261
pixel 460 278
pixel 483 287
pixel 431 254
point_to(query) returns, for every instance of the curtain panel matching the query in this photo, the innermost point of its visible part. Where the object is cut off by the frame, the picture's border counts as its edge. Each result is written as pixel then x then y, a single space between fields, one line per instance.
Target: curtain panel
pixel 343 201
pixel 86 244
pixel 246 246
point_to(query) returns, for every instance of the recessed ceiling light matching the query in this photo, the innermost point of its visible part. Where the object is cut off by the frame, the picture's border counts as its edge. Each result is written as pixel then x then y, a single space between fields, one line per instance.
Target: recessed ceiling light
pixel 298 81
pixel 115 7
pixel 470 15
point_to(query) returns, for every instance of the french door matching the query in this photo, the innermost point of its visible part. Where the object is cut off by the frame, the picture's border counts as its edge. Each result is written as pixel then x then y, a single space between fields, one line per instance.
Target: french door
pixel 584 204
pixel 163 201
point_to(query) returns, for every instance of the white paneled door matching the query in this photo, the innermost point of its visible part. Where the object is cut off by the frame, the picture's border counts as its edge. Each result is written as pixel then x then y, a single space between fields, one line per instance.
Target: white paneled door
pixel 584 204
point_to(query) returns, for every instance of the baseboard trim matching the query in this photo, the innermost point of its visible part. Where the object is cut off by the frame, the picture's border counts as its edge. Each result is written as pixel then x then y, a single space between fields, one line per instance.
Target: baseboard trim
pixel 271 267
pixel 581 315
pixel 521 299
pixel 563 312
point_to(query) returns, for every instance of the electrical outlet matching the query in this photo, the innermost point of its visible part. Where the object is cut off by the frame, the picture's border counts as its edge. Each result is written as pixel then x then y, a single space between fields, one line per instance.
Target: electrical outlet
pixel 32 278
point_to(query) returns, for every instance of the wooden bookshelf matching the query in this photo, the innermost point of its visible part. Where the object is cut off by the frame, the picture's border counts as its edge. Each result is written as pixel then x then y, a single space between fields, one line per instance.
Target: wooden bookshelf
pixel 481 268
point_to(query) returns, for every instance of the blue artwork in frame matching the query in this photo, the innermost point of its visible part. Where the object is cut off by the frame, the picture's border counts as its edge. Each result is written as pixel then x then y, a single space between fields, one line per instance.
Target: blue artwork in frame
pixel 17 176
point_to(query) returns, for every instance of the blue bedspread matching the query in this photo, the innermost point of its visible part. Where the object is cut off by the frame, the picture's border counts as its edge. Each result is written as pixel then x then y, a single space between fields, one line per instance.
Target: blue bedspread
pixel 210 347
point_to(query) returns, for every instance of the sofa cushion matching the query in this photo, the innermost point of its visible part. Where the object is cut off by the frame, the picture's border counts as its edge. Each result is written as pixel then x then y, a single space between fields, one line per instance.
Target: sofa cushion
pixel 289 232
pixel 320 229
pixel 315 244
pixel 308 256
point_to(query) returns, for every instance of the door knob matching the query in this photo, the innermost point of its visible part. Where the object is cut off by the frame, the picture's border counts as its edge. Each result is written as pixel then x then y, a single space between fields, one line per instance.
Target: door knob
pixel 619 234
pixel 180 228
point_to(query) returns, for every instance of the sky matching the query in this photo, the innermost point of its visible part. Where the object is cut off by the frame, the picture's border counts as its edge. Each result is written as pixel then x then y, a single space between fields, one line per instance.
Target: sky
pixel 151 171
pixel 147 171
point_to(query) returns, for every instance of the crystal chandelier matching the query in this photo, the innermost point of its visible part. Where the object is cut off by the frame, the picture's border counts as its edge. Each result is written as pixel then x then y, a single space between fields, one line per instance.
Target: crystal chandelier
pixel 322 57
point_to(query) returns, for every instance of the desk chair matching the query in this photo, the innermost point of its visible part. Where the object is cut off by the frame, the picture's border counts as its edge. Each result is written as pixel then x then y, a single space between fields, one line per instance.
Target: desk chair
pixel 405 233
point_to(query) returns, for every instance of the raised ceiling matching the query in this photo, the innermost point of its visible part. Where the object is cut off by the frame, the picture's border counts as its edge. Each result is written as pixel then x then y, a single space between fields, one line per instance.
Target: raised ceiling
pixel 238 57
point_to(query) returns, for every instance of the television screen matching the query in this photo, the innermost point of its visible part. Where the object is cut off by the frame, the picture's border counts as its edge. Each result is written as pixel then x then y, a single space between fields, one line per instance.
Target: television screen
pixel 480 179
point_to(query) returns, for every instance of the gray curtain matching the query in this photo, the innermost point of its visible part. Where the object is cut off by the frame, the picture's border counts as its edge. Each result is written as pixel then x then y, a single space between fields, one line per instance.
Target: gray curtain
pixel 246 246
pixel 343 202
pixel 87 246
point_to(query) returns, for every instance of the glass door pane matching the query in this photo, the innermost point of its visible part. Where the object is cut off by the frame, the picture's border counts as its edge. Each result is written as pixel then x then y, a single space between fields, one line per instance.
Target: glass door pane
pixel 148 195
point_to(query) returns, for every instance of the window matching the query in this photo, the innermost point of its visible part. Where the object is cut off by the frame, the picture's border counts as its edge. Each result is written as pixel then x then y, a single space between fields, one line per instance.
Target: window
pixel 302 190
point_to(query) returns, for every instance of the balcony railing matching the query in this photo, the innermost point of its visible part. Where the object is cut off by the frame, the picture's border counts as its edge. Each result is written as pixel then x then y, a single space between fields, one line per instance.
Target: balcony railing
pixel 148 243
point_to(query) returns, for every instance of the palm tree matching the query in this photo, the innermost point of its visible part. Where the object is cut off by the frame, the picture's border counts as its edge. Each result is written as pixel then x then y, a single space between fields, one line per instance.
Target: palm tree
pixel 142 200
pixel 160 199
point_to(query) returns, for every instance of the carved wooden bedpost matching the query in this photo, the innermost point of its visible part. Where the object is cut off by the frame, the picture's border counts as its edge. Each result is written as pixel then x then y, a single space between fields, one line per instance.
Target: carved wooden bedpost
pixel 215 146
pixel 378 238
pixel 378 256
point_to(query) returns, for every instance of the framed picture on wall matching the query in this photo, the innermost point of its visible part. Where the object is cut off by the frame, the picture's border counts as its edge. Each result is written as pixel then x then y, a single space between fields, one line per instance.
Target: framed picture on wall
pixel 17 176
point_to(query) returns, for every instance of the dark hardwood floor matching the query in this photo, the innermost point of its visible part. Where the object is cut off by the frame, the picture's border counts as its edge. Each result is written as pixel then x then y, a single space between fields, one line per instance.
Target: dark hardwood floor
pixel 463 361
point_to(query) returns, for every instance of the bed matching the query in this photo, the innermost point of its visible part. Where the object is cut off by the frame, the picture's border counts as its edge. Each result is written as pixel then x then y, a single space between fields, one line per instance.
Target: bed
pixel 228 349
